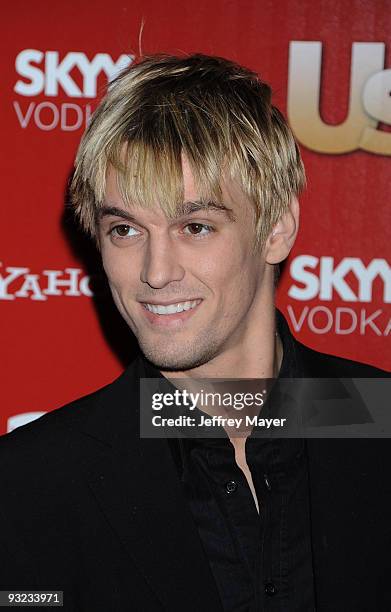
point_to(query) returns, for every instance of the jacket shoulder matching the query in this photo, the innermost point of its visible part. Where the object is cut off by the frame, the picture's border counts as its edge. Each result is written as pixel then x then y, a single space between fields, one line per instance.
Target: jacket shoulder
pixel 325 365
pixel 58 424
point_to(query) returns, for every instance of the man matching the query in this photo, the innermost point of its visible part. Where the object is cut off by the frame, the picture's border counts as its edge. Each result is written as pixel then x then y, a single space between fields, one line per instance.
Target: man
pixel 188 178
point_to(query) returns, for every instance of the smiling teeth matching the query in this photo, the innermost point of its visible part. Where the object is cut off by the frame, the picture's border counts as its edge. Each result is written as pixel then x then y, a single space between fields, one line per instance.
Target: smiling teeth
pixel 172 308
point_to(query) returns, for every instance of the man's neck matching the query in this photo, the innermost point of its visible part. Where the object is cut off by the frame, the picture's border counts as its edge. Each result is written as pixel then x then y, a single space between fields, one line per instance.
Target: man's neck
pixel 261 359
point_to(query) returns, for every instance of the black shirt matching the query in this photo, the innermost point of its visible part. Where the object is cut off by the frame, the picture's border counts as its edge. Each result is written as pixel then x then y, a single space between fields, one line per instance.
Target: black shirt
pixel 259 561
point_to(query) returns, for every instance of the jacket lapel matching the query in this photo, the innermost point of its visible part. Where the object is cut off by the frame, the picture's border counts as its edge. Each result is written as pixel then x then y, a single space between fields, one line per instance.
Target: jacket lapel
pixel 344 481
pixel 137 488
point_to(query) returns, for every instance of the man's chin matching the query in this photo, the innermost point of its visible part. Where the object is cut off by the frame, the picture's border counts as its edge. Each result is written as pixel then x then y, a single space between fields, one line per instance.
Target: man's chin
pixel 174 361
pixel 175 364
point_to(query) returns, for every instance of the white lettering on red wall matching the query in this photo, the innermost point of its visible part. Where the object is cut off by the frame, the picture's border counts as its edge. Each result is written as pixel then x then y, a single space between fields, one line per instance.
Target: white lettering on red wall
pixel 369 101
pixel 73 75
pixel 17 282
pixel 326 280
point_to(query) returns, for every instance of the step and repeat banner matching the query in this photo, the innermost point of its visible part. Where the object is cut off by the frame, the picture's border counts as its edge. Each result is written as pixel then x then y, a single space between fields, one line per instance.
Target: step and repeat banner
pixel 328 64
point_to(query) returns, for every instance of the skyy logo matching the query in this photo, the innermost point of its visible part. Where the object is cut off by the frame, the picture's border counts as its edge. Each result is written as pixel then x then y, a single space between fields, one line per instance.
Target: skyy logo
pixel 73 75
pixel 369 103
pixel 328 277
pixel 46 73
pixel 324 279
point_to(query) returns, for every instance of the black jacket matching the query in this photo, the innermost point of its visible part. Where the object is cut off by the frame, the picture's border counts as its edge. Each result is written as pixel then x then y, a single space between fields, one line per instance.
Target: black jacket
pixel 89 508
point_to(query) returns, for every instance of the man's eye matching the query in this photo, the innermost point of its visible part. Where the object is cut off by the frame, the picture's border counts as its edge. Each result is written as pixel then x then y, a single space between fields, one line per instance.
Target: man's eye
pixel 198 229
pixel 123 231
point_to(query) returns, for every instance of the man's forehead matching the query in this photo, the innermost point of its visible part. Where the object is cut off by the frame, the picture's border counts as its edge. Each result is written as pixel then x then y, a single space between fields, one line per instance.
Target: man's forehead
pixel 232 201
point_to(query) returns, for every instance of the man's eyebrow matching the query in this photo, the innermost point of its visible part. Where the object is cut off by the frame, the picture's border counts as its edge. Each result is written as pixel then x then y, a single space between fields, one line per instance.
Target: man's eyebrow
pixel 184 209
pixel 195 205
pixel 105 211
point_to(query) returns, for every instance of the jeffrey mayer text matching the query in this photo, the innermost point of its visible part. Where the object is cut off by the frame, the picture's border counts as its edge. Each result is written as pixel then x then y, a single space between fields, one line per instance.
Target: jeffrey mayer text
pixel 249 421
pixel 217 421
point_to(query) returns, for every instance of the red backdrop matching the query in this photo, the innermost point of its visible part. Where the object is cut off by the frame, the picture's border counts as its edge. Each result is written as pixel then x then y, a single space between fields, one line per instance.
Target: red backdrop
pixel 327 63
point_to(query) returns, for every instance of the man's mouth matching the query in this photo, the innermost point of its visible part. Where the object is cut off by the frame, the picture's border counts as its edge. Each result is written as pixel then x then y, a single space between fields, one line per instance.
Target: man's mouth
pixel 174 314
pixel 162 309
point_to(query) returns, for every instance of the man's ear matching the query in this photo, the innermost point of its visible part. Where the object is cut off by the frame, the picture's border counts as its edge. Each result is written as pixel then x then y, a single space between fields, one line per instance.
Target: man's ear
pixel 283 235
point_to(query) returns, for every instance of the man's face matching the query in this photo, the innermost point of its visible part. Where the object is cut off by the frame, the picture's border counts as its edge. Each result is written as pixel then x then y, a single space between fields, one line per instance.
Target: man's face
pixel 190 287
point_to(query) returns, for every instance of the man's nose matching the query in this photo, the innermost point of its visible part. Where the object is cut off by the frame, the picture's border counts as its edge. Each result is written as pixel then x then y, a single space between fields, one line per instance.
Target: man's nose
pixel 161 263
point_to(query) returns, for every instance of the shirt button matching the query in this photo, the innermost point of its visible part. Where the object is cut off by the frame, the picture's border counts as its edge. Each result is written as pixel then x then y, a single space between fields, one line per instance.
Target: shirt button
pixel 267 482
pixel 231 486
pixel 270 588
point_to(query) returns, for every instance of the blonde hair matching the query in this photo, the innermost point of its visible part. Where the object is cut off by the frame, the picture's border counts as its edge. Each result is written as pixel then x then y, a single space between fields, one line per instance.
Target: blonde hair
pixel 214 111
